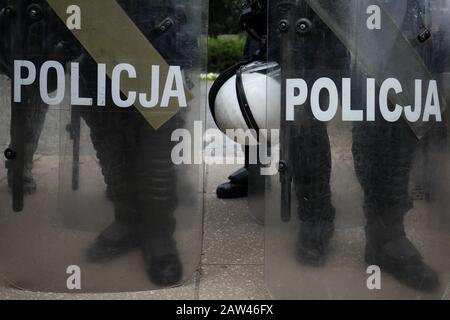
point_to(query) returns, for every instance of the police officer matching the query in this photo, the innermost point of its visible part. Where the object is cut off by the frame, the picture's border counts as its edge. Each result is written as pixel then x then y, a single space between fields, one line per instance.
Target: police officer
pixel 383 154
pixel 237 185
pixel 136 159
pixel 253 23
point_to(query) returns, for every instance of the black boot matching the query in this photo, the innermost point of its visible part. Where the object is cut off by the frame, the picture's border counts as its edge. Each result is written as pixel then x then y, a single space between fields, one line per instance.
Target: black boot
pixel 236 187
pixel 162 262
pixel 388 247
pixel 117 239
pixel 316 230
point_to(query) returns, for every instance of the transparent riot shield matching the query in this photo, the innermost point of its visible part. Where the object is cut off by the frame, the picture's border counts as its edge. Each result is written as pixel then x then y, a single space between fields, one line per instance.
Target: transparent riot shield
pixel 256 189
pixel 115 165
pixel 359 207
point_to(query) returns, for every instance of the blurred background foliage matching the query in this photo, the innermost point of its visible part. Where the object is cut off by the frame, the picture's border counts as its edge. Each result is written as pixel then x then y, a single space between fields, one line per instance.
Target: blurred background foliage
pixel 224 17
pixel 224 51
pixel 226 40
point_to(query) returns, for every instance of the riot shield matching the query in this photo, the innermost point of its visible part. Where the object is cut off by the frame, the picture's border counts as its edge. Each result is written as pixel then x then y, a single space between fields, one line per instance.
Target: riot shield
pixel 102 192
pixel 358 209
pixel 256 188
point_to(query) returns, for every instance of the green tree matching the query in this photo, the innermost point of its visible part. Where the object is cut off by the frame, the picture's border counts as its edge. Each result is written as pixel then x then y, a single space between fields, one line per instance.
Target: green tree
pixel 224 17
pixel 224 51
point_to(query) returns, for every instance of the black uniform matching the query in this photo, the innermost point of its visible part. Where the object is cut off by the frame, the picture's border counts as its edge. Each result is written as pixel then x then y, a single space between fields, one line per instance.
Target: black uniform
pixel 135 159
pixel 383 153
pixel 309 142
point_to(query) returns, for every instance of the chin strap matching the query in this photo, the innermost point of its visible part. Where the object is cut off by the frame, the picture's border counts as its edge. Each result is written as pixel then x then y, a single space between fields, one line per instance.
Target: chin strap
pixel 219 82
pixel 243 103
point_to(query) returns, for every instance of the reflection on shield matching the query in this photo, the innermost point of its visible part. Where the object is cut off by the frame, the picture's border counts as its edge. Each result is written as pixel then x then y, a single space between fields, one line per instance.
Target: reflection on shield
pixel 90 199
pixel 359 207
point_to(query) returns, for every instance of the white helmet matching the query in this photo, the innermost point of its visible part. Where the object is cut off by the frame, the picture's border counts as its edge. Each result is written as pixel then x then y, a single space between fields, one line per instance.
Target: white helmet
pixel 239 99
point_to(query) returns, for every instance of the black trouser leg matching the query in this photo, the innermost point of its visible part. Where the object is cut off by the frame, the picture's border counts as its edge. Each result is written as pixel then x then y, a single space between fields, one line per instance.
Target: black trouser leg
pixel 114 141
pixel 312 171
pixel 383 154
pixel 156 184
pixel 34 117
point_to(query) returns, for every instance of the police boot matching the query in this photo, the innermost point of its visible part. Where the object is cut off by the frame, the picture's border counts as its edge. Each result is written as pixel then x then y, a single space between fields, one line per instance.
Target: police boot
pixel 236 187
pixel 161 259
pixel 388 247
pixel 316 230
pixel 29 185
pixel 117 239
